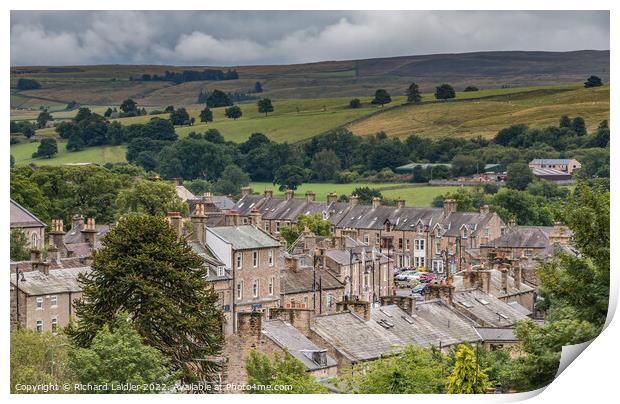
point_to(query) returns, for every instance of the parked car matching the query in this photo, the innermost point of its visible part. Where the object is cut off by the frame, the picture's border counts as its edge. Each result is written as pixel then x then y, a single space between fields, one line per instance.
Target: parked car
pixel 420 289
pixel 427 277
pixel 408 276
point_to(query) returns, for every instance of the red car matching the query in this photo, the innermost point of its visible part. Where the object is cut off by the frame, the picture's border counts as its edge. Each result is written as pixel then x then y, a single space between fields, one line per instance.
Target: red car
pixel 427 277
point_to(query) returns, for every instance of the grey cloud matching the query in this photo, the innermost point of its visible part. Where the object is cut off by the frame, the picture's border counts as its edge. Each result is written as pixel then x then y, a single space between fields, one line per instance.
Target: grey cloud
pixel 244 37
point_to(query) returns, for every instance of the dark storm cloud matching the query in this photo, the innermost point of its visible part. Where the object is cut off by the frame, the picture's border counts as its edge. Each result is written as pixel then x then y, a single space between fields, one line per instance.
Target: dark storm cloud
pixel 244 37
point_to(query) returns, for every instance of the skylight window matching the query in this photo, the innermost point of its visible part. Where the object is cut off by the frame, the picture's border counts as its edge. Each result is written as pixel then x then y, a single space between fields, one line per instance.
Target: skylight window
pixel 408 319
pixel 482 301
pixel 467 304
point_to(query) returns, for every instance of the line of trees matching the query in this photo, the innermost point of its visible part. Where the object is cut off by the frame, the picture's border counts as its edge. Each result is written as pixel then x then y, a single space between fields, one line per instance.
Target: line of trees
pixel 190 75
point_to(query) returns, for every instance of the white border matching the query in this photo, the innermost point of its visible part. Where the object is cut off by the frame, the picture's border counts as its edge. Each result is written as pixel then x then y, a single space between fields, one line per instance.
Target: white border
pixel 593 375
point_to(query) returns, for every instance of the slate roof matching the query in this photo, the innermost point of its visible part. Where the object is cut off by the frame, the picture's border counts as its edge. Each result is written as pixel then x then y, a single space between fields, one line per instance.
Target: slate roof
pixel 551 161
pixel 521 309
pixel 298 281
pixel 487 307
pixel 62 280
pixel 74 235
pixel 210 261
pixel 497 334
pixel 288 337
pixel 183 193
pixel 523 237
pixel 354 338
pixel 390 329
pixel 539 172
pixel 223 202
pixel 21 217
pixel 72 262
pixel 244 237
pixel 79 249
pixel 495 287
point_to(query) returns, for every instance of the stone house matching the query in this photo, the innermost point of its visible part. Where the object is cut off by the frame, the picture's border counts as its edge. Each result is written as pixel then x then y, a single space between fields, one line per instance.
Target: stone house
pixel 33 228
pixel 42 298
pixel 254 260
pixel 565 165
pixel 273 336
pixel 432 238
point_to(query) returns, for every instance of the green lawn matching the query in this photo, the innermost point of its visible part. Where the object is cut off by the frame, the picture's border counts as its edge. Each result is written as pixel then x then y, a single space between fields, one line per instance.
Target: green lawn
pixel 99 155
pixel 413 195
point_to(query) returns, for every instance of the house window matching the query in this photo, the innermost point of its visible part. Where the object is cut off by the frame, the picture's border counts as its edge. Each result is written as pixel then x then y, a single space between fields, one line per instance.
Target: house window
pixel 438 266
pixel 366 238
pixel 400 243
pixel 245 220
pixel 419 261
pixel 464 233
pixel 240 290
pixel 54 301
pixel 330 302
pixel 254 259
pixel 54 324
pixel 407 244
pixel 39 325
pixel 385 273
pixel 438 247
pixel 277 227
pixel 255 286
pixel 267 227
pixel 221 270
pixel 305 302
pixel 270 257
pixel 270 286
pixel 239 260
pixel 39 303
pixel 419 244
pixel 377 238
pixel 34 240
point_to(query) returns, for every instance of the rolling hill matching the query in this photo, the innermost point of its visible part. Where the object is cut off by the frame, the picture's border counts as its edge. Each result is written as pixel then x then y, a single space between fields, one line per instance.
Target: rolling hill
pixel 110 84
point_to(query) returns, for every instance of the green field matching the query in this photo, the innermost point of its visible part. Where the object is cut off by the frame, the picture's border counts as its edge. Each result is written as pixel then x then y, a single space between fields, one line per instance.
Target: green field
pixel 536 107
pixel 98 155
pixel 413 195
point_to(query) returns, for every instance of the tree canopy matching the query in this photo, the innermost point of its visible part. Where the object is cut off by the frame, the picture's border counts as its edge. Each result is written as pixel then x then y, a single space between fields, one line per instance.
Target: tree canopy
pixel 265 106
pixel 382 97
pixel 444 92
pixel 413 94
pixel 143 270
pixel 150 197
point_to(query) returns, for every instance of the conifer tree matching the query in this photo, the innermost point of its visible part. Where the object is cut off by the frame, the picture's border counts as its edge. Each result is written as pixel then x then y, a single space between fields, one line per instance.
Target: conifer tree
pixel 159 282
pixel 466 377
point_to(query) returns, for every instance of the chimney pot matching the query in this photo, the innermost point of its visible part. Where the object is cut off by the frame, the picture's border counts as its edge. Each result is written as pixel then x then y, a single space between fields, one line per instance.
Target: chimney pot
pixel 376 202
pixel 449 206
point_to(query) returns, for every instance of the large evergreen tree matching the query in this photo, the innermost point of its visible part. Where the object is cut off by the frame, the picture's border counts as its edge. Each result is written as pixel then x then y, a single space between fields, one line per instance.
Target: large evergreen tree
pixel 206 115
pixel 444 92
pixel 413 93
pixel 159 282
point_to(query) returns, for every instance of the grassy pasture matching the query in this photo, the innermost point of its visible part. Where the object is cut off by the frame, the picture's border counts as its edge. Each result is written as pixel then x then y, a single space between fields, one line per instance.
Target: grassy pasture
pixel 421 196
pixel 98 155
pixel 484 117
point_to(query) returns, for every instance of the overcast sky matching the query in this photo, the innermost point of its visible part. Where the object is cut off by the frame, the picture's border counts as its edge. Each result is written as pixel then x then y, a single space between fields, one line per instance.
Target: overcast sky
pixel 251 37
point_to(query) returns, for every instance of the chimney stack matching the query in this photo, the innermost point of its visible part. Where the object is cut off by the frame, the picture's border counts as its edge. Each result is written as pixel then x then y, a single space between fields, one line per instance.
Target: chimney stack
pixel 518 275
pixel 406 303
pixel 504 285
pixel 57 234
pixel 268 193
pixel 376 202
pixel 198 223
pixel 361 308
pixel 245 191
pixel 232 218
pixel 289 194
pixel 53 254
pixel 440 290
pixel 89 232
pixel 400 203
pixel 512 223
pixel 249 325
pixel 484 210
pixel 310 196
pixel 176 222
pixel 449 206
pixel 256 217
pixel 35 255
pixel 353 200
pixel 559 234
pixel 77 221
pixel 177 181
pixel 332 197
pixel 297 317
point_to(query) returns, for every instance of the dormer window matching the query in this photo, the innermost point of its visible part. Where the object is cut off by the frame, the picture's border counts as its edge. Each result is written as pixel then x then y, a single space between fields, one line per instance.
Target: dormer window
pixel 420 228
pixel 221 270
pixel 464 232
